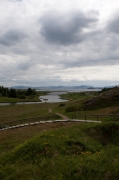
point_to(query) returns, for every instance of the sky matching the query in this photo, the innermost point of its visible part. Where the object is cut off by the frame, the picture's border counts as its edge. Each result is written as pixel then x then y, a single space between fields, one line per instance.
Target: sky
pixel 53 43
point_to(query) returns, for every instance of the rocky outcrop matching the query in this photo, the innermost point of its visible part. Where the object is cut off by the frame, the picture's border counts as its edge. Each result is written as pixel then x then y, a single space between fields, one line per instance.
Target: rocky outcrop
pixel 104 99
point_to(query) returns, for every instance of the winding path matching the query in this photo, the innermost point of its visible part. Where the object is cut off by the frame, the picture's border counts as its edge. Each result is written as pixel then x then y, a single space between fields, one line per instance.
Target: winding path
pixel 62 116
pixel 50 110
pixel 64 119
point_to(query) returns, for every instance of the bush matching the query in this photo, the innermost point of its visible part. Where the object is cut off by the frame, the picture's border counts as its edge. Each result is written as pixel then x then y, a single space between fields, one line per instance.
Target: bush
pixel 22 96
pixel 106 133
pixel 61 105
pixel 71 109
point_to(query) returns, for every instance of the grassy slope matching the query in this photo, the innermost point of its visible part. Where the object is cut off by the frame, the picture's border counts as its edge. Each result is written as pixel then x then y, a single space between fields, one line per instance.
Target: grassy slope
pixel 80 151
pixel 104 99
pixel 93 101
pixel 68 153
pixel 11 138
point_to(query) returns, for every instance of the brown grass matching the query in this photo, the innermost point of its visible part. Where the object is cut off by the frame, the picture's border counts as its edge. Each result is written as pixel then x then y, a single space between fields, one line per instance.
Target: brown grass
pixel 14 112
pixel 12 137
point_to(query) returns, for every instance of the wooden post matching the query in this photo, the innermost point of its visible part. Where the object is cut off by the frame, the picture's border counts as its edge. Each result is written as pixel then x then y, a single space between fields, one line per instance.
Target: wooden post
pixel 85 117
pixel 97 117
pixel 72 116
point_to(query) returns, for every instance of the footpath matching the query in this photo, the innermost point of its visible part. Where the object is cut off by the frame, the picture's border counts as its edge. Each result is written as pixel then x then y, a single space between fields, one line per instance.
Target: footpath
pixel 64 119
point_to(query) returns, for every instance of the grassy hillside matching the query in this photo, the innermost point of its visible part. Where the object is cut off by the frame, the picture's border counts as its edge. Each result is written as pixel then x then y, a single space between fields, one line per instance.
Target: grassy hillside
pixel 109 97
pixel 77 152
pixel 93 100
pixel 61 151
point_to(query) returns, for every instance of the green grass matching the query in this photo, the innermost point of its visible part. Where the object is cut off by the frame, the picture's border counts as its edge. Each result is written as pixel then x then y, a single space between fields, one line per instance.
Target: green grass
pixel 15 112
pixel 66 153
pixel 77 95
pixel 15 100
pixel 76 100
pixel 59 151
pixel 77 103
pixel 83 101
pixel 31 98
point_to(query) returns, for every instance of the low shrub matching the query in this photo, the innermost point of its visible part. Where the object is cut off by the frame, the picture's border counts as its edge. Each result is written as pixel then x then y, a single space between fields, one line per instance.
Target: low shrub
pixel 73 108
pixel 22 96
pixel 61 105
pixel 107 133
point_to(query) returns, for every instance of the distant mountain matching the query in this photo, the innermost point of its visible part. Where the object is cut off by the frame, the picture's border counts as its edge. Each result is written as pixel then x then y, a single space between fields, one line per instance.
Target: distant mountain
pixel 83 87
pixel 56 87
pixel 67 87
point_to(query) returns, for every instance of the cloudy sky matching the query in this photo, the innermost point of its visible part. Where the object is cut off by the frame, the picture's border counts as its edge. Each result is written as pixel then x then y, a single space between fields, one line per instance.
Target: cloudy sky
pixel 52 42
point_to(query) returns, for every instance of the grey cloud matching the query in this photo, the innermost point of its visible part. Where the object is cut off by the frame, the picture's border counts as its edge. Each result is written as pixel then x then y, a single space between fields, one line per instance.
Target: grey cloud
pixel 66 29
pixel 15 0
pixel 12 37
pixel 113 25
pixel 25 65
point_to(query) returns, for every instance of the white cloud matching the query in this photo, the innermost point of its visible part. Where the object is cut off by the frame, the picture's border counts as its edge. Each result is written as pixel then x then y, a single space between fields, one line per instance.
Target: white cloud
pixel 51 42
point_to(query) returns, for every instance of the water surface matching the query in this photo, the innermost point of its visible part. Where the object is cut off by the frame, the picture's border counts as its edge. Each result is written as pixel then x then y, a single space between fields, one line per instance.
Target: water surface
pixel 53 97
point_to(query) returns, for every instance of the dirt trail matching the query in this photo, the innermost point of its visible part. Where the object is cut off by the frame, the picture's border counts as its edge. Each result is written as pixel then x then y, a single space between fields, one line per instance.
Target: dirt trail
pixel 62 116
pixel 50 110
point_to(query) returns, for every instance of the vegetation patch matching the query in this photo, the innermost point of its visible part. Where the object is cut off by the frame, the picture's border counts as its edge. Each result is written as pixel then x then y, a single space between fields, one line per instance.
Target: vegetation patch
pixel 106 133
pixel 66 153
pixel 73 108
pixel 106 98
pixel 80 151
pixel 62 105
pixel 77 95
pixel 19 95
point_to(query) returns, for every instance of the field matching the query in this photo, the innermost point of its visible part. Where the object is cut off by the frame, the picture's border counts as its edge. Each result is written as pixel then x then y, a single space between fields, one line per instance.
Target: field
pixel 63 150
pixel 15 112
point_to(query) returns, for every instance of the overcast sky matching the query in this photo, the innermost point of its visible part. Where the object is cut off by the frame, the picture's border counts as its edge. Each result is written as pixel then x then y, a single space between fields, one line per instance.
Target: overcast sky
pixel 52 42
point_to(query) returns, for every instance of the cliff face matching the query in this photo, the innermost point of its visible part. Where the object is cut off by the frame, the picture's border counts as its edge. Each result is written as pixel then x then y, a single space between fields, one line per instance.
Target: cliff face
pixel 104 99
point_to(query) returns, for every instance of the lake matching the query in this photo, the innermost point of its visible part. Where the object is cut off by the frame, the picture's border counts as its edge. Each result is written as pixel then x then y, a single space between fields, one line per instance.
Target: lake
pixel 53 96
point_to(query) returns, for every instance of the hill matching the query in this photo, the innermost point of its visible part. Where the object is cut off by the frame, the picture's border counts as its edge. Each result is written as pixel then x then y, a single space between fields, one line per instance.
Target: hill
pixel 107 97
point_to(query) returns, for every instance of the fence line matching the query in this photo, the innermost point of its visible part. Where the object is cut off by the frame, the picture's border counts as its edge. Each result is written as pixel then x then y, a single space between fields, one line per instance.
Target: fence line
pixel 96 116
pixel 28 120
pixel 52 118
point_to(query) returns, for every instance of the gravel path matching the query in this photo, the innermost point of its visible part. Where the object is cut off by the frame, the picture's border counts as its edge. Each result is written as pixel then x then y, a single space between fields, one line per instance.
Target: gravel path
pixel 50 110
pixel 62 116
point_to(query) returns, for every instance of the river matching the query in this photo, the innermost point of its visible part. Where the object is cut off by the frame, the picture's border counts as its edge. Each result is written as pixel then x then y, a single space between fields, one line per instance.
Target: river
pixel 52 97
